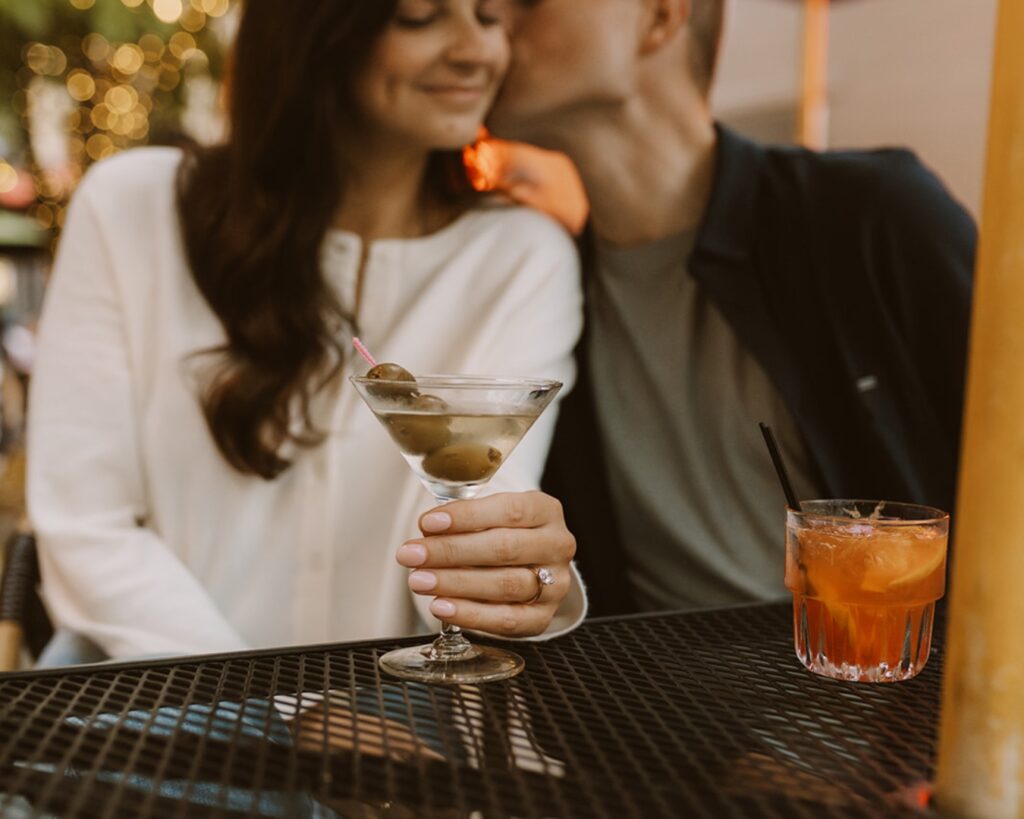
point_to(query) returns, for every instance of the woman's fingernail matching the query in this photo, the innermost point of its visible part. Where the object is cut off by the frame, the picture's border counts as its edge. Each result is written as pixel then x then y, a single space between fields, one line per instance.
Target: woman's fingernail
pixel 436 522
pixel 442 608
pixel 412 554
pixel 422 581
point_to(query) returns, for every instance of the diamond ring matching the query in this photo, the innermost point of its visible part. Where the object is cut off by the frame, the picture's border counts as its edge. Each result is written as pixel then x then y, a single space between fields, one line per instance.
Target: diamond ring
pixel 545 577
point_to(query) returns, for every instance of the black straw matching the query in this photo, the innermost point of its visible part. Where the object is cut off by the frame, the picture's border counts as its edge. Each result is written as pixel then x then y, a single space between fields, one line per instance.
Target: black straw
pixel 780 468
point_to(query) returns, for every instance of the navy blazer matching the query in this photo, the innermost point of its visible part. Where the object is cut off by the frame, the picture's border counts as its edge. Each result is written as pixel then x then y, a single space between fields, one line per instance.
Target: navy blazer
pixel 847 275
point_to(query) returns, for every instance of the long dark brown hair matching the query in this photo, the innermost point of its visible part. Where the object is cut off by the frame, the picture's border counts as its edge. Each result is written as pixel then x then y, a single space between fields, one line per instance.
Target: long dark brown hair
pixel 254 212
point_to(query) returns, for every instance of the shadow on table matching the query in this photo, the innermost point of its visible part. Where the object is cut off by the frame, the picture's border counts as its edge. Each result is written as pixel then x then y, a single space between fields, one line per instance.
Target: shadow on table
pixel 388 751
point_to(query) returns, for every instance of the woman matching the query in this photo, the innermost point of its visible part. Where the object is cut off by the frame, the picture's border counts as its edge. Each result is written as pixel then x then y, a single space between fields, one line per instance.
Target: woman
pixel 202 476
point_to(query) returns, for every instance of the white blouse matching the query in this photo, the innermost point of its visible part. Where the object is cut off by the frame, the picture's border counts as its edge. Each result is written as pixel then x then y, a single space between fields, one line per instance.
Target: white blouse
pixel 150 543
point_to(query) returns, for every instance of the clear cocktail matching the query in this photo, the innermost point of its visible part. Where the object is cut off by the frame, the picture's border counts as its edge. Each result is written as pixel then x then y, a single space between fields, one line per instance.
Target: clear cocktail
pixel 455 432
pixel 865 576
pixel 455 451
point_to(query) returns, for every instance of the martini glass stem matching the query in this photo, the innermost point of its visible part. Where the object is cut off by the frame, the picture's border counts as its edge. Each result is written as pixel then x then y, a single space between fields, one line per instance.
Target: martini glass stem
pixel 451 644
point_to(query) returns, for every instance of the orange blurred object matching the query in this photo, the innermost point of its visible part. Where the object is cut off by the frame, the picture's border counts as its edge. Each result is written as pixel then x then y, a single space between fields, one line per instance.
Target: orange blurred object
pixel 545 180
pixel 812 129
pixel 21 194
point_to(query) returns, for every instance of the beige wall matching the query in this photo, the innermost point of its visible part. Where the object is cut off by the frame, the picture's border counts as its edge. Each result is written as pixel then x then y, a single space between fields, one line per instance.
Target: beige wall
pixel 901 72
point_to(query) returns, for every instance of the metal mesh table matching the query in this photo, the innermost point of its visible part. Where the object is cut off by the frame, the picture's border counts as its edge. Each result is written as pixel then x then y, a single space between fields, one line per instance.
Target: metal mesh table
pixel 700 714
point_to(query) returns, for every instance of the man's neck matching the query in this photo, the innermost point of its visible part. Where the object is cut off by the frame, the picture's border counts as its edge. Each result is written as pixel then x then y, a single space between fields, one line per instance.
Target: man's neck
pixel 648 169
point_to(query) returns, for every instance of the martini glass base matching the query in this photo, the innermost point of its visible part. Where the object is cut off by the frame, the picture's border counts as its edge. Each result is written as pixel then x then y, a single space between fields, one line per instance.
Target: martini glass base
pixel 480 664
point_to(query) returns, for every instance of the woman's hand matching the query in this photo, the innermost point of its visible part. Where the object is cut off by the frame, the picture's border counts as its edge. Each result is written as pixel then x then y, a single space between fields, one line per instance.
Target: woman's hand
pixel 480 559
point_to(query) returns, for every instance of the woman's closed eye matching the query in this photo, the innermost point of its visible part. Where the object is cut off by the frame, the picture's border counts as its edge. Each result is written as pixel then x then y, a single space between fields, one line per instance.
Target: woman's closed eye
pixel 488 12
pixel 416 22
pixel 415 15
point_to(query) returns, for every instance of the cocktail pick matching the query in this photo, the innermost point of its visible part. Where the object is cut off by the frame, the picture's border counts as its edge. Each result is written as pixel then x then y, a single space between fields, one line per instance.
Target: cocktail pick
pixel 361 349
pixel 780 468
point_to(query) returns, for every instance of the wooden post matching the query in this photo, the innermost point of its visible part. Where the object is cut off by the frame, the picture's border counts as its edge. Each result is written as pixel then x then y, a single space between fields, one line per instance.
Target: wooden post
pixel 813 125
pixel 981 747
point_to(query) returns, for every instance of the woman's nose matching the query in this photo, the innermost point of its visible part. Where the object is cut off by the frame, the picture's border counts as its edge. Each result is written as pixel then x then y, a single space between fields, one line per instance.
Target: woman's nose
pixel 475 44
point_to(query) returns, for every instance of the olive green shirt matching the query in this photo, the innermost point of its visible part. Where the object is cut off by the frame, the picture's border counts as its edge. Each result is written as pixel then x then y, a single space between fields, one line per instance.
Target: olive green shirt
pixel 678 402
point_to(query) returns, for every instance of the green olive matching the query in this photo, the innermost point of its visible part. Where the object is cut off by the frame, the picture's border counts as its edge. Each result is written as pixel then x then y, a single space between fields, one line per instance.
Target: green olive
pixel 421 434
pixel 463 463
pixel 392 372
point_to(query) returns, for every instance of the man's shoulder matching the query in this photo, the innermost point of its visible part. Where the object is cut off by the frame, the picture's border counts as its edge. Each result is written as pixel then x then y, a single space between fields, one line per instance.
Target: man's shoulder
pixel 846 204
pixel 767 191
pixel 841 193
pixel 849 174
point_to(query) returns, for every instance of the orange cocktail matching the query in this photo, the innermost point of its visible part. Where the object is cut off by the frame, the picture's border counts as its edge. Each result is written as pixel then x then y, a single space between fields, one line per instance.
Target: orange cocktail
pixel 865 576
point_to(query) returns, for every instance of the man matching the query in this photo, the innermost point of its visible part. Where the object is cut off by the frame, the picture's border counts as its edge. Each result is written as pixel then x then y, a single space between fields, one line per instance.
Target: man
pixel 730 283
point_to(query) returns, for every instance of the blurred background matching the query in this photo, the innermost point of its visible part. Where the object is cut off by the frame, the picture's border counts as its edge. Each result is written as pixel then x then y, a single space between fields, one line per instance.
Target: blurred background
pixel 911 73
pixel 79 81
pixel 83 79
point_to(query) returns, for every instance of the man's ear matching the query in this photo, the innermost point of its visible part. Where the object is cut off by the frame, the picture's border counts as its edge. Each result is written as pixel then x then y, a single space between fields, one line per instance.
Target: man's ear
pixel 662 22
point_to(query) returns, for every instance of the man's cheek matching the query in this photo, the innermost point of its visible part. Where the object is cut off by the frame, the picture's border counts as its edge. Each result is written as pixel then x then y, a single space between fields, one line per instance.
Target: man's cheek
pixel 513 13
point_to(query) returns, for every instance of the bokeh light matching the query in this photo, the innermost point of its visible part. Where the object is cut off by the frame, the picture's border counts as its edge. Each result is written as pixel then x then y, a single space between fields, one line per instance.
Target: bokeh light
pixel 8 177
pixel 152 47
pixel 128 59
pixel 193 19
pixel 81 85
pixel 44 59
pixel 214 8
pixel 96 47
pixel 91 78
pixel 181 45
pixel 99 146
pixel 168 11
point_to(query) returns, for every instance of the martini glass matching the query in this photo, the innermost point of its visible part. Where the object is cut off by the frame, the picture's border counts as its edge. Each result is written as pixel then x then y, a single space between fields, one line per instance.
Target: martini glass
pixel 455 432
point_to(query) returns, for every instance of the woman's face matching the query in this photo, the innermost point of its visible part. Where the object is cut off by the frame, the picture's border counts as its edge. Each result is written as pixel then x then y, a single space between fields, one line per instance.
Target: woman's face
pixel 433 73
